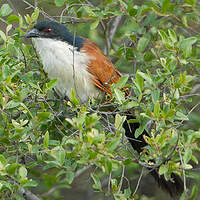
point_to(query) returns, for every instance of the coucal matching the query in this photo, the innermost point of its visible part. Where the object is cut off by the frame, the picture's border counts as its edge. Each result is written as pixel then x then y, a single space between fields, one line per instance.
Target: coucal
pixel 78 63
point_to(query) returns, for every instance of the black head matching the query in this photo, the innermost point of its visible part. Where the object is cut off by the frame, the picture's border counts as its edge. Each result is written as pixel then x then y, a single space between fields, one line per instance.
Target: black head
pixel 54 30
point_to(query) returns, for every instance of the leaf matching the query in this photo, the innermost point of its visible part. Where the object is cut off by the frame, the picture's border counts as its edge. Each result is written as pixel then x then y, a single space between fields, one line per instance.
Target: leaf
pixel 94 25
pixel 12 104
pixel 147 78
pixel 122 81
pixel 70 176
pixel 156 110
pixel 119 95
pixel 172 35
pixel 59 3
pixel 113 144
pixel 5 10
pixel 139 131
pixel 35 14
pixel 119 120
pixel 155 95
pixel 73 97
pixel 143 42
pixel 163 169
pixel 2 35
pixel 97 183
pixel 181 116
pixel 23 172
pixel 3 160
pixel 46 140
pixel 187 155
pixel 186 46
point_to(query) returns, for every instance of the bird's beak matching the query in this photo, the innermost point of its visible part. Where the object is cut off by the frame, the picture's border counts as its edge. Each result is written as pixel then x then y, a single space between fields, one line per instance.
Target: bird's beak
pixel 32 33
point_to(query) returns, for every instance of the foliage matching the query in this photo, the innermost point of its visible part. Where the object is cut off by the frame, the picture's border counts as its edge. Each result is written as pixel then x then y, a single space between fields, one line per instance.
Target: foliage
pixel 157 44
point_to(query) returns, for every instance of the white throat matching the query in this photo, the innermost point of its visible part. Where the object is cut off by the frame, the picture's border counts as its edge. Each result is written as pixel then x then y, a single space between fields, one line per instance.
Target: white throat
pixel 69 66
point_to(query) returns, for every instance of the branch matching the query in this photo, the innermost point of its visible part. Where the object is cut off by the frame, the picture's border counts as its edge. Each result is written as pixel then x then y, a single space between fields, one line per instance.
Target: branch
pixel 28 195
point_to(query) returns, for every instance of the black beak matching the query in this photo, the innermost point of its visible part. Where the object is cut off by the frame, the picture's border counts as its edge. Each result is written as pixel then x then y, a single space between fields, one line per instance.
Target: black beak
pixel 32 33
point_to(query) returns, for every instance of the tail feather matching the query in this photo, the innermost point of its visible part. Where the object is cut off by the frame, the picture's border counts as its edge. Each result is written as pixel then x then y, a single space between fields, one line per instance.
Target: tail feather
pixel 174 187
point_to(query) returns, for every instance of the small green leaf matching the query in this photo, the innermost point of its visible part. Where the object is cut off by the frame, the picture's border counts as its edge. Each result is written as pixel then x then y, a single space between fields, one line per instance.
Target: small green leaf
pixel 186 46
pixel 187 155
pixel 139 131
pixel 35 14
pixel 3 160
pixel 12 104
pixel 59 3
pixel 97 182
pixel 70 176
pixel 73 97
pixel 163 169
pixel 122 81
pixel 119 120
pixel 181 116
pixel 156 110
pixel 23 172
pixel 2 35
pixel 147 78
pixel 155 95
pixel 172 35
pixel 94 25
pixel 5 10
pixel 113 144
pixel 143 42
pixel 46 140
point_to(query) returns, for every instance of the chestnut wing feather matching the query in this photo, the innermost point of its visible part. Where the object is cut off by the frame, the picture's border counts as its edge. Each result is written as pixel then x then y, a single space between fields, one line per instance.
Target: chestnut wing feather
pixel 103 71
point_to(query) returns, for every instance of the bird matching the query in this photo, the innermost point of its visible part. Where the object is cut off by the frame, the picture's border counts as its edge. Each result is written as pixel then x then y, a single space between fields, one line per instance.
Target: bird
pixel 78 63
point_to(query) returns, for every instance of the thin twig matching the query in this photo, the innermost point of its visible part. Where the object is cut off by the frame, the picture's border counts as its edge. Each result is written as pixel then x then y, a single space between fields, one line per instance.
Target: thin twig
pixel 138 182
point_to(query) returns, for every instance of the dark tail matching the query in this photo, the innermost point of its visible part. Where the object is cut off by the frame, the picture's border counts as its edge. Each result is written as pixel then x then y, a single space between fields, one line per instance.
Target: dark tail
pixel 175 187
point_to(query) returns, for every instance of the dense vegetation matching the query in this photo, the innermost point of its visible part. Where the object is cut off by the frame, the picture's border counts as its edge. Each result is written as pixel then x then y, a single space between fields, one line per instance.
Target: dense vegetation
pixel 45 145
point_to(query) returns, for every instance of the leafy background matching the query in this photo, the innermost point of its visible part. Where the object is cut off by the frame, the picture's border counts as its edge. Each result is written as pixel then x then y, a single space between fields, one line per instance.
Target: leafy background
pixel 79 151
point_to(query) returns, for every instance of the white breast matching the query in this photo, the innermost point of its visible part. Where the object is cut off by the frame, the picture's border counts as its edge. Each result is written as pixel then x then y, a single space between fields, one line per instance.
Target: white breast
pixel 69 66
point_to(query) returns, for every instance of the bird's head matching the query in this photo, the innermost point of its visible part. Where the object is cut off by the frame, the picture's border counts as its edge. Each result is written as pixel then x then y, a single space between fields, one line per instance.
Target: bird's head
pixel 54 30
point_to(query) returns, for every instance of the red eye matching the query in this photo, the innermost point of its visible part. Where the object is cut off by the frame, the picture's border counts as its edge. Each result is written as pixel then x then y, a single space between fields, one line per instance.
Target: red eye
pixel 48 30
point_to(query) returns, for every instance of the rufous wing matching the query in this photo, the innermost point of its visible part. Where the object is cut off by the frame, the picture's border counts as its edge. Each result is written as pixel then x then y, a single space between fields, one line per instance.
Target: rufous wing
pixel 103 71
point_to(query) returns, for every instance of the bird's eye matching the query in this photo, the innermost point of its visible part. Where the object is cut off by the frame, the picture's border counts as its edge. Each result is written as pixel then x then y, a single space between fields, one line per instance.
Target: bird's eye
pixel 48 30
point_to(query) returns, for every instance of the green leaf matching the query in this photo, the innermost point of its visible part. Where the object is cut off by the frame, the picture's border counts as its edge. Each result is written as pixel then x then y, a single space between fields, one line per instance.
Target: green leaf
pixel 119 95
pixel 43 115
pixel 12 104
pixel 5 10
pixel 172 35
pixel 35 14
pixel 186 46
pixel 139 82
pixel 122 81
pixel 73 97
pixel 187 155
pixel 70 176
pixel 119 120
pixel 59 3
pixel 113 144
pixel 108 166
pixel 46 140
pixel 163 169
pixel 97 182
pixel 147 78
pixel 139 131
pixel 2 35
pixel 181 116
pixel 11 169
pixel 23 172
pixel 155 95
pixel 156 110
pixel 143 42
pixel 94 25
pixel 3 160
